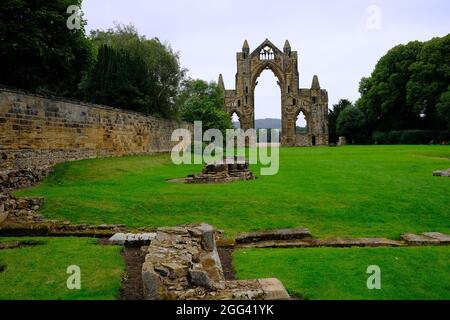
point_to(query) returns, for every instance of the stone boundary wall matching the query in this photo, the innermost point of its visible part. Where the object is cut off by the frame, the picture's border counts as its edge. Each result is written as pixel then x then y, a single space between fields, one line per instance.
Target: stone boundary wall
pixel 37 131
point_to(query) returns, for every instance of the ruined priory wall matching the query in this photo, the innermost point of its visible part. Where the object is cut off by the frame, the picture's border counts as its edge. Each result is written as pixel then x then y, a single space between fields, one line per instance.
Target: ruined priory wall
pixel 38 131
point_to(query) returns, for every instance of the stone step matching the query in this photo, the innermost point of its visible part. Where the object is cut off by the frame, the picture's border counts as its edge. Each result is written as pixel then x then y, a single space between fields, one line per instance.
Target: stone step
pixel 132 238
pixel 280 234
pixel 335 242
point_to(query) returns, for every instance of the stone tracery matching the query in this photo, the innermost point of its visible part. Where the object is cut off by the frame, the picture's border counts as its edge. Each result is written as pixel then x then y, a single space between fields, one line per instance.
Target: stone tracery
pixel 284 64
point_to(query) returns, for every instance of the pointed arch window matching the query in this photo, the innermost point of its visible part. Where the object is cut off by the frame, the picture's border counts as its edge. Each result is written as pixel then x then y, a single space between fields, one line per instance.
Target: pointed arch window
pixel 266 53
pixel 301 124
pixel 236 120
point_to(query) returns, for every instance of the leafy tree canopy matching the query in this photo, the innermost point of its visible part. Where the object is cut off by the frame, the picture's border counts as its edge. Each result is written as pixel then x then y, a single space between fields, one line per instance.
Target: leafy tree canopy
pixel 202 101
pixel 351 124
pixel 405 86
pixel 38 51
pixel 443 107
pixel 333 116
pixel 119 80
pixel 160 65
pixel 430 77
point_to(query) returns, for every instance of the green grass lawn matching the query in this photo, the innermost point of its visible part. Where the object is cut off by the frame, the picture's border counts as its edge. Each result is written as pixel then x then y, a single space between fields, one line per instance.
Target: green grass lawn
pixel 35 273
pixel 331 273
pixel 348 191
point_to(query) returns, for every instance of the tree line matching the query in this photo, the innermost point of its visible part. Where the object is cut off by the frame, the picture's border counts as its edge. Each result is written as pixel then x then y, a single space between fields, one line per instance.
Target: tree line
pixel 405 100
pixel 115 67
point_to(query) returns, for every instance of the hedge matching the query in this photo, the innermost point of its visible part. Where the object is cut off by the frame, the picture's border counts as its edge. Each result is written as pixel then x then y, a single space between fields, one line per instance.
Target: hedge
pixel 411 137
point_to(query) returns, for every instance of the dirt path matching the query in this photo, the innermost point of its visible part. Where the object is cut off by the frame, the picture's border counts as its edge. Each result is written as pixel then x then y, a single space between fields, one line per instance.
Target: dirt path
pixel 132 288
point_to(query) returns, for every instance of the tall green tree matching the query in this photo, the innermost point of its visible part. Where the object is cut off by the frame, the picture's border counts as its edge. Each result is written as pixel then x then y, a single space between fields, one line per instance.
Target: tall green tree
pixel 403 91
pixel 443 107
pixel 38 51
pixel 383 94
pixel 119 80
pixel 430 77
pixel 202 101
pixel 161 65
pixel 333 116
pixel 351 123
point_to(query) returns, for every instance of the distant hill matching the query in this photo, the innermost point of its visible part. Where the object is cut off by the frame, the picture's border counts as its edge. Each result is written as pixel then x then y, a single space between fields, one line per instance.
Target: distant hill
pixel 264 124
pixel 268 124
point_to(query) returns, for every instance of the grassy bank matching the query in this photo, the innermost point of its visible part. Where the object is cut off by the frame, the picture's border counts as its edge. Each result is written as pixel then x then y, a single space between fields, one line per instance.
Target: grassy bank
pixel 349 191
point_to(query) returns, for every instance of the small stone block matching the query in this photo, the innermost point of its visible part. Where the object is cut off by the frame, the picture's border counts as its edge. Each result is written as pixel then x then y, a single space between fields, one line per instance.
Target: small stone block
pixel 118 238
pixel 273 289
pixel 443 173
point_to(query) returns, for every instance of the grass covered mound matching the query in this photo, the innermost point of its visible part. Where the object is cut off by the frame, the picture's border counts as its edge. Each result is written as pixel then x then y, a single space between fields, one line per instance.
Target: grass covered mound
pixel 330 273
pixel 39 272
pixel 348 191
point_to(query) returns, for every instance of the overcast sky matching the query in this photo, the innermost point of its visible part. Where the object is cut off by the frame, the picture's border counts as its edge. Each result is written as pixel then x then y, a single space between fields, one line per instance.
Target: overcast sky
pixel 333 38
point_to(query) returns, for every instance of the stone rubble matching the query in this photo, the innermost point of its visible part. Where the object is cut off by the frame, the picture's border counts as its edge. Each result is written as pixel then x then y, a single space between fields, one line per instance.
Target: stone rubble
pixel 442 173
pixel 24 209
pixel 227 170
pixel 22 178
pixel 182 263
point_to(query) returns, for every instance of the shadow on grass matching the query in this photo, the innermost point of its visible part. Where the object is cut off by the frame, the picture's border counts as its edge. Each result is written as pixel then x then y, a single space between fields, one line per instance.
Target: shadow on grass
pixel 21 244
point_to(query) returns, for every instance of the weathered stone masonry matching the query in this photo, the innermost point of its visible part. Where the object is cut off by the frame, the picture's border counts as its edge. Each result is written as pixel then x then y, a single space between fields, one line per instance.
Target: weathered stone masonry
pixel 313 102
pixel 37 132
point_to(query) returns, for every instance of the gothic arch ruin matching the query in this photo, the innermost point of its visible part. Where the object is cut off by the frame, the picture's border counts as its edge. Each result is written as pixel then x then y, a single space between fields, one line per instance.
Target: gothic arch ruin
pixel 312 102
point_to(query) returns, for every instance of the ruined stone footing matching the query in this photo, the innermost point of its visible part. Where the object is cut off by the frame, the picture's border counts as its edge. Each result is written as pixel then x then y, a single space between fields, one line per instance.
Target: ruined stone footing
pixel 315 243
pixel 426 239
pixel 227 170
pixel 281 234
pixel 442 173
pixel 301 238
pixel 182 263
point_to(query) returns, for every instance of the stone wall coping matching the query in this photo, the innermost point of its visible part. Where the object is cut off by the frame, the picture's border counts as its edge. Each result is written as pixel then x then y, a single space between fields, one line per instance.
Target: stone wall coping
pixel 78 102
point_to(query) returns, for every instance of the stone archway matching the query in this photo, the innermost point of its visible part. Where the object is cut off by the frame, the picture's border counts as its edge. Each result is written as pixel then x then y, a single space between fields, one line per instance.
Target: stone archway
pixel 284 65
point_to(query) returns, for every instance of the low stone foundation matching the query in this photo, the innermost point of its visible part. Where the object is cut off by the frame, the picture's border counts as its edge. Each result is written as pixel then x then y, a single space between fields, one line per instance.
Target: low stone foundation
pixel 301 238
pixel 182 263
pixel 24 178
pixel 426 239
pixel 227 170
pixel 24 209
